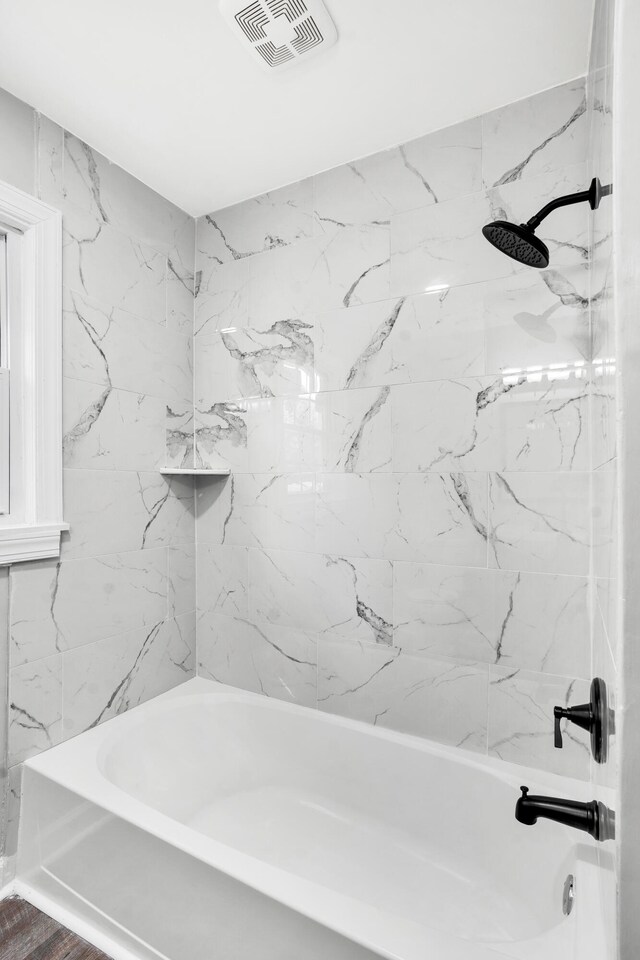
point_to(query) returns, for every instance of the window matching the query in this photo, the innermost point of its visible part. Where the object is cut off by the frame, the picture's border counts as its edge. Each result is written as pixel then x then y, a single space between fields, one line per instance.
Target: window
pixel 30 378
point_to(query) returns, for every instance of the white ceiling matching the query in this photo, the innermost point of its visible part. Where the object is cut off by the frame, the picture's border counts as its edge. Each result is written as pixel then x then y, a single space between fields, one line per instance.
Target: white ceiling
pixel 166 91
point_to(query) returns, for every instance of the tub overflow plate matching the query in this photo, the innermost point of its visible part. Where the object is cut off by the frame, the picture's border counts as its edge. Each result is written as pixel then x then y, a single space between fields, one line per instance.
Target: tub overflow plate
pixel 568 895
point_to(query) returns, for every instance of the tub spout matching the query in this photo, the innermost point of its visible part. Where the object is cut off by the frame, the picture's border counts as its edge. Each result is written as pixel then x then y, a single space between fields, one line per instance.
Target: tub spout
pixel 594 817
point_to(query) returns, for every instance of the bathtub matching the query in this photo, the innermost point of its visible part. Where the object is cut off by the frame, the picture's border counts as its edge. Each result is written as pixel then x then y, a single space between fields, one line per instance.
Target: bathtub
pixel 214 824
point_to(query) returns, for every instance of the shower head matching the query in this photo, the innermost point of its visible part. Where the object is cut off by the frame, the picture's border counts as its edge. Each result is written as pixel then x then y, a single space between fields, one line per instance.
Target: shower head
pixel 518 241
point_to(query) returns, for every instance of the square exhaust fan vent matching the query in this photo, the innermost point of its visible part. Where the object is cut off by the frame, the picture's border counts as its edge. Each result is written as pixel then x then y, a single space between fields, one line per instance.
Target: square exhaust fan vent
pixel 279 33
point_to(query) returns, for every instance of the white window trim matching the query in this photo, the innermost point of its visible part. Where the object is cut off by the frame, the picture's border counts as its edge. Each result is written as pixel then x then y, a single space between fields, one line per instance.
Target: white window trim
pixel 33 526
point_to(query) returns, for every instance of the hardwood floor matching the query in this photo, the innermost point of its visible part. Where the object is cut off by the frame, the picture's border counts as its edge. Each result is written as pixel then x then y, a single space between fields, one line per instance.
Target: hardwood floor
pixel 28 934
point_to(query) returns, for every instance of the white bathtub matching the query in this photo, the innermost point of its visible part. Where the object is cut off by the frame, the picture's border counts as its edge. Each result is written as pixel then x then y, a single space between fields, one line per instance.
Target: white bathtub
pixel 213 824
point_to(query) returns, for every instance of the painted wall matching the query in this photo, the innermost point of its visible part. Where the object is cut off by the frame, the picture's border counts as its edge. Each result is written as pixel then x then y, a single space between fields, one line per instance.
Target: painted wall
pixel 113 622
pixel 405 538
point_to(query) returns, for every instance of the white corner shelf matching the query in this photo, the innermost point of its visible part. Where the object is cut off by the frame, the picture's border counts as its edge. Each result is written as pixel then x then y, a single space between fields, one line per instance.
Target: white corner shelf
pixel 195 472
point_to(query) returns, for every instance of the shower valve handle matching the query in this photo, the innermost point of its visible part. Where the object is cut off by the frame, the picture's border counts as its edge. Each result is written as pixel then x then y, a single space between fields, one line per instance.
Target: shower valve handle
pixel 580 715
pixel 595 716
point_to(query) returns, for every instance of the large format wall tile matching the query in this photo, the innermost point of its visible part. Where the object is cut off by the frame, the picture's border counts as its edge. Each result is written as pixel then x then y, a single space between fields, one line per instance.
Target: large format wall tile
pixel 539 522
pixel 408 339
pixel 536 621
pixel 57 606
pixel 248 228
pixel 223 579
pixel 110 195
pixel 35 708
pixel 112 268
pixel 321 594
pixel 526 421
pixel 433 168
pixel 443 246
pixel 275 661
pixel 108 346
pixel 521 721
pixel 110 429
pixel 418 695
pixel 106 678
pixel 112 511
pixel 536 135
pixel 440 518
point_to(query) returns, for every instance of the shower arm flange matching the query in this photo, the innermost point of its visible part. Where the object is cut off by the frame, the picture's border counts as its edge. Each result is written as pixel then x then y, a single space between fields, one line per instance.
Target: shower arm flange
pixel 592 196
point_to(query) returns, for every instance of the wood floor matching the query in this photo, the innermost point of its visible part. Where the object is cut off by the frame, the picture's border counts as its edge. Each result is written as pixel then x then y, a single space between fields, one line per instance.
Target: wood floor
pixel 27 934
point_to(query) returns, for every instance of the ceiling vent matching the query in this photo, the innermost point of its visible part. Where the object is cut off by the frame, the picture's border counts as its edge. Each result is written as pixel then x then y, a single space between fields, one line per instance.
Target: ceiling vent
pixel 280 33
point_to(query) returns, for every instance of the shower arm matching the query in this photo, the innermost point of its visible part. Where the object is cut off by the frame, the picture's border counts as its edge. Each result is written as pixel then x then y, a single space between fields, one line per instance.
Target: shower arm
pixel 593 196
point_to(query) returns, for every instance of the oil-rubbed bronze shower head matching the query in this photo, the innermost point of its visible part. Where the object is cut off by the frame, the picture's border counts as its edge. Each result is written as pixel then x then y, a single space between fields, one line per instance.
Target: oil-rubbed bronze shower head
pixel 519 241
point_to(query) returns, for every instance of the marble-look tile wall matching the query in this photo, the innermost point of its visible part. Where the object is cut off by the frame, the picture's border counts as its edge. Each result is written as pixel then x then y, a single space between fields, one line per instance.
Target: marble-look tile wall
pixel 406 534
pixel 113 622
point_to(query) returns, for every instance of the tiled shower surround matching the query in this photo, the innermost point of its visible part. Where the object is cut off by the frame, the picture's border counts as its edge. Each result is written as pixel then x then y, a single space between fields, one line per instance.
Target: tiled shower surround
pixel 406 534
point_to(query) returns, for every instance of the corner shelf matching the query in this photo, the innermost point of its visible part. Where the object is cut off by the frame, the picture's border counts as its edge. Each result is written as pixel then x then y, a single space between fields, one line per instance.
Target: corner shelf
pixel 195 472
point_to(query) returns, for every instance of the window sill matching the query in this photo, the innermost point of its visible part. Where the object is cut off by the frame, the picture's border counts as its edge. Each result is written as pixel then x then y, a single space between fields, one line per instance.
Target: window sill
pixel 30 542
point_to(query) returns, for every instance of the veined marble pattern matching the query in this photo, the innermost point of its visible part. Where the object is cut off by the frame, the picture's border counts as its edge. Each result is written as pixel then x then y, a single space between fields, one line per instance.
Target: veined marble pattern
pixel 265 510
pixel 342 268
pixel 223 579
pixel 443 246
pixel 539 522
pixel 537 621
pixel 439 518
pixel 248 228
pixel 433 168
pixel 521 720
pixel 57 606
pixel 115 511
pixel 539 134
pixel 245 362
pixel 346 431
pixel 408 339
pixel 221 435
pixel 321 594
pixel 115 269
pixel 223 296
pixel 107 346
pixel 535 420
pixel 110 195
pixel 275 661
pixel 106 678
pixel 438 699
pixel 181 579
pixel 35 708
pixel 109 429
pixel 179 425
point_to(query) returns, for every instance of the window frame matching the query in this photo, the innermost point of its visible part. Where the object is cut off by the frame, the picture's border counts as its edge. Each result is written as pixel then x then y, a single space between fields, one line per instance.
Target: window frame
pixel 31 530
pixel 4 383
